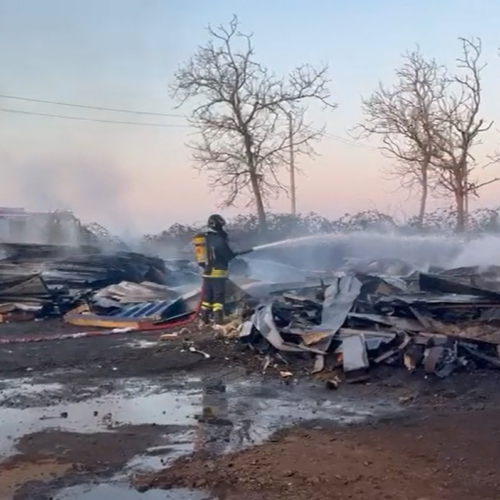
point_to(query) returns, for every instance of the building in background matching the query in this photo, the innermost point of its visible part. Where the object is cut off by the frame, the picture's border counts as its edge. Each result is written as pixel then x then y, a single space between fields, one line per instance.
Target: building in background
pixel 45 228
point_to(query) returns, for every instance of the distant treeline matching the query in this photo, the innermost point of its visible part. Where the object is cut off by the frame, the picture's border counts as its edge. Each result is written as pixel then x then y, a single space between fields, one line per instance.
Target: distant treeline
pixel 244 229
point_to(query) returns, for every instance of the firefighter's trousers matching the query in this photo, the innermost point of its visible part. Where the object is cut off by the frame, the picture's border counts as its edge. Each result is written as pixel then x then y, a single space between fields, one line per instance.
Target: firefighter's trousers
pixel 213 298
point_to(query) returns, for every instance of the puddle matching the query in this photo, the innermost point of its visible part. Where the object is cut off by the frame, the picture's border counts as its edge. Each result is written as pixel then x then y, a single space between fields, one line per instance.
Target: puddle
pixel 170 407
pixel 247 413
pixel 159 457
pixel 108 491
pixel 19 392
pixel 30 392
pixel 239 414
pixel 260 411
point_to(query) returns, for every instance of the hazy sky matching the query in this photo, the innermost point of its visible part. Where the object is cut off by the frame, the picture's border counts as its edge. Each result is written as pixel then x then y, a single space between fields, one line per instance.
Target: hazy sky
pixel 122 53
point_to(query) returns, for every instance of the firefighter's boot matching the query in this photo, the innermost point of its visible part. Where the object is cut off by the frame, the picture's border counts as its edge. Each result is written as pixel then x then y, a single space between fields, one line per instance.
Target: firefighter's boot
pixel 219 317
pixel 205 315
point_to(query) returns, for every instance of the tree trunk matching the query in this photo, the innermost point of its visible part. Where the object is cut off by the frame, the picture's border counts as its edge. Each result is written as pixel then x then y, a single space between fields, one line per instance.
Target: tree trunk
pixel 259 202
pixel 255 182
pixel 461 188
pixel 461 215
pixel 466 194
pixel 423 196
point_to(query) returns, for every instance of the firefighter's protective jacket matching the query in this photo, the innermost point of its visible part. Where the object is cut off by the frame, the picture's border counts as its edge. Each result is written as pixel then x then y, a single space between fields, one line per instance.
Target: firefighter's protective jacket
pixel 218 254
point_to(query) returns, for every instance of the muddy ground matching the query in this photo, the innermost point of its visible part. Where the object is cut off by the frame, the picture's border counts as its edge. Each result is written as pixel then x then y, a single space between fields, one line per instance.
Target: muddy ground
pixel 434 458
pixel 116 355
pixel 442 442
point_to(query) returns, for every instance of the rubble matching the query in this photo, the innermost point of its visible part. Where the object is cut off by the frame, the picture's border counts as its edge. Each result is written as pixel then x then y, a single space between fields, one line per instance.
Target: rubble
pixel 434 322
pixel 364 314
pixel 23 297
pixel 49 280
pixel 119 291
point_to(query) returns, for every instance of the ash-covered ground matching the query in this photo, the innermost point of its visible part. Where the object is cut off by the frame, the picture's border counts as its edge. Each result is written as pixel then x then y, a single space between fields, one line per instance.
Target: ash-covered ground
pixel 97 417
pixel 203 417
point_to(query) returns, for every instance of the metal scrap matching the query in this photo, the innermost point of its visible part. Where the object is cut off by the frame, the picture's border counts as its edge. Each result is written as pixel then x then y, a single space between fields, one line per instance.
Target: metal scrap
pixel 429 322
pixel 126 292
pixel 357 316
pixel 354 355
pixel 49 280
pixel 440 361
pixel 133 315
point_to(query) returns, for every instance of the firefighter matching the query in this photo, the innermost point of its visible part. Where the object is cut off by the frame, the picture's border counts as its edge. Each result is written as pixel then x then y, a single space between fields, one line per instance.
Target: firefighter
pixel 213 254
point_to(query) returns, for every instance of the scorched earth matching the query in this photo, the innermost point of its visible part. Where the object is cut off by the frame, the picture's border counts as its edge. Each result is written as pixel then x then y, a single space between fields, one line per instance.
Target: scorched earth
pixel 377 382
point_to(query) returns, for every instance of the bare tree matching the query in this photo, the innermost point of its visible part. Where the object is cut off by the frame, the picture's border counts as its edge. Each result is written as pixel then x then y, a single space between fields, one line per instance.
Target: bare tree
pixel 242 114
pixel 461 130
pixel 405 117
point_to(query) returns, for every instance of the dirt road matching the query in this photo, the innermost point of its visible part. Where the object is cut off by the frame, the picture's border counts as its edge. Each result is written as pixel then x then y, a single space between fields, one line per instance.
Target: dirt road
pixel 441 457
pixel 107 409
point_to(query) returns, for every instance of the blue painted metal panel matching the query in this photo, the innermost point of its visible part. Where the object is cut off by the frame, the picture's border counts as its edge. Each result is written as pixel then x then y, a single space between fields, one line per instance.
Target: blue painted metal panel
pixel 156 308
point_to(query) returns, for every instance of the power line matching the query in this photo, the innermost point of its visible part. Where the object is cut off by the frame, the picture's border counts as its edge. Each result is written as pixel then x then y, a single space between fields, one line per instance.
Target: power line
pixel 351 142
pixel 81 118
pixel 293 189
pixel 85 106
pixel 338 138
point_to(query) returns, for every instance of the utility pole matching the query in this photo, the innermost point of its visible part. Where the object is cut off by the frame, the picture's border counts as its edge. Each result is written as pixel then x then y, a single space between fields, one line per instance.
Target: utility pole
pixel 293 198
pixel 466 197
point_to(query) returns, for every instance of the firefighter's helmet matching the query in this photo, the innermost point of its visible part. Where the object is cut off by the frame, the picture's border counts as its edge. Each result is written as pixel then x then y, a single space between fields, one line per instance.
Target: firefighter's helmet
pixel 216 222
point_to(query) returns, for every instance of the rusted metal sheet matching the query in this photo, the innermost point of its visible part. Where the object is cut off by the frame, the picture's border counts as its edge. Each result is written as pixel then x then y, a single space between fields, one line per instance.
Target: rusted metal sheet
pixel 16 316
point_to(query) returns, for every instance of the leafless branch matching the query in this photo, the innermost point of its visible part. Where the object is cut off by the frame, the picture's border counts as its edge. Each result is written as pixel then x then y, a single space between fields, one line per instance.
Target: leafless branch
pixel 405 118
pixel 461 130
pixel 430 122
pixel 241 115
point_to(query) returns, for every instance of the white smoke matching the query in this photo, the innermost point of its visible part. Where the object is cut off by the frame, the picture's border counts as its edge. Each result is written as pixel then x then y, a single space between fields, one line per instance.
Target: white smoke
pixel 422 251
pixel 482 252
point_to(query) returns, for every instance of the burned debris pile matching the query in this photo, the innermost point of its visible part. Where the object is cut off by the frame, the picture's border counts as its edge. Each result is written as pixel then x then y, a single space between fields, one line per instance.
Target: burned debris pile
pixel 24 297
pixel 381 312
pixel 39 281
pixel 436 322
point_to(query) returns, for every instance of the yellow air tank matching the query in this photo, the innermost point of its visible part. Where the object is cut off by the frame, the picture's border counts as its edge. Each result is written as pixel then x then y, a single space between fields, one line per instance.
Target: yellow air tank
pixel 200 249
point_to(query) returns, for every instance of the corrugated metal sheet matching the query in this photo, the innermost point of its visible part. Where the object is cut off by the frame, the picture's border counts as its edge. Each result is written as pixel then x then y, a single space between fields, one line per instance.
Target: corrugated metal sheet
pixel 134 293
pixel 151 310
pixel 131 316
